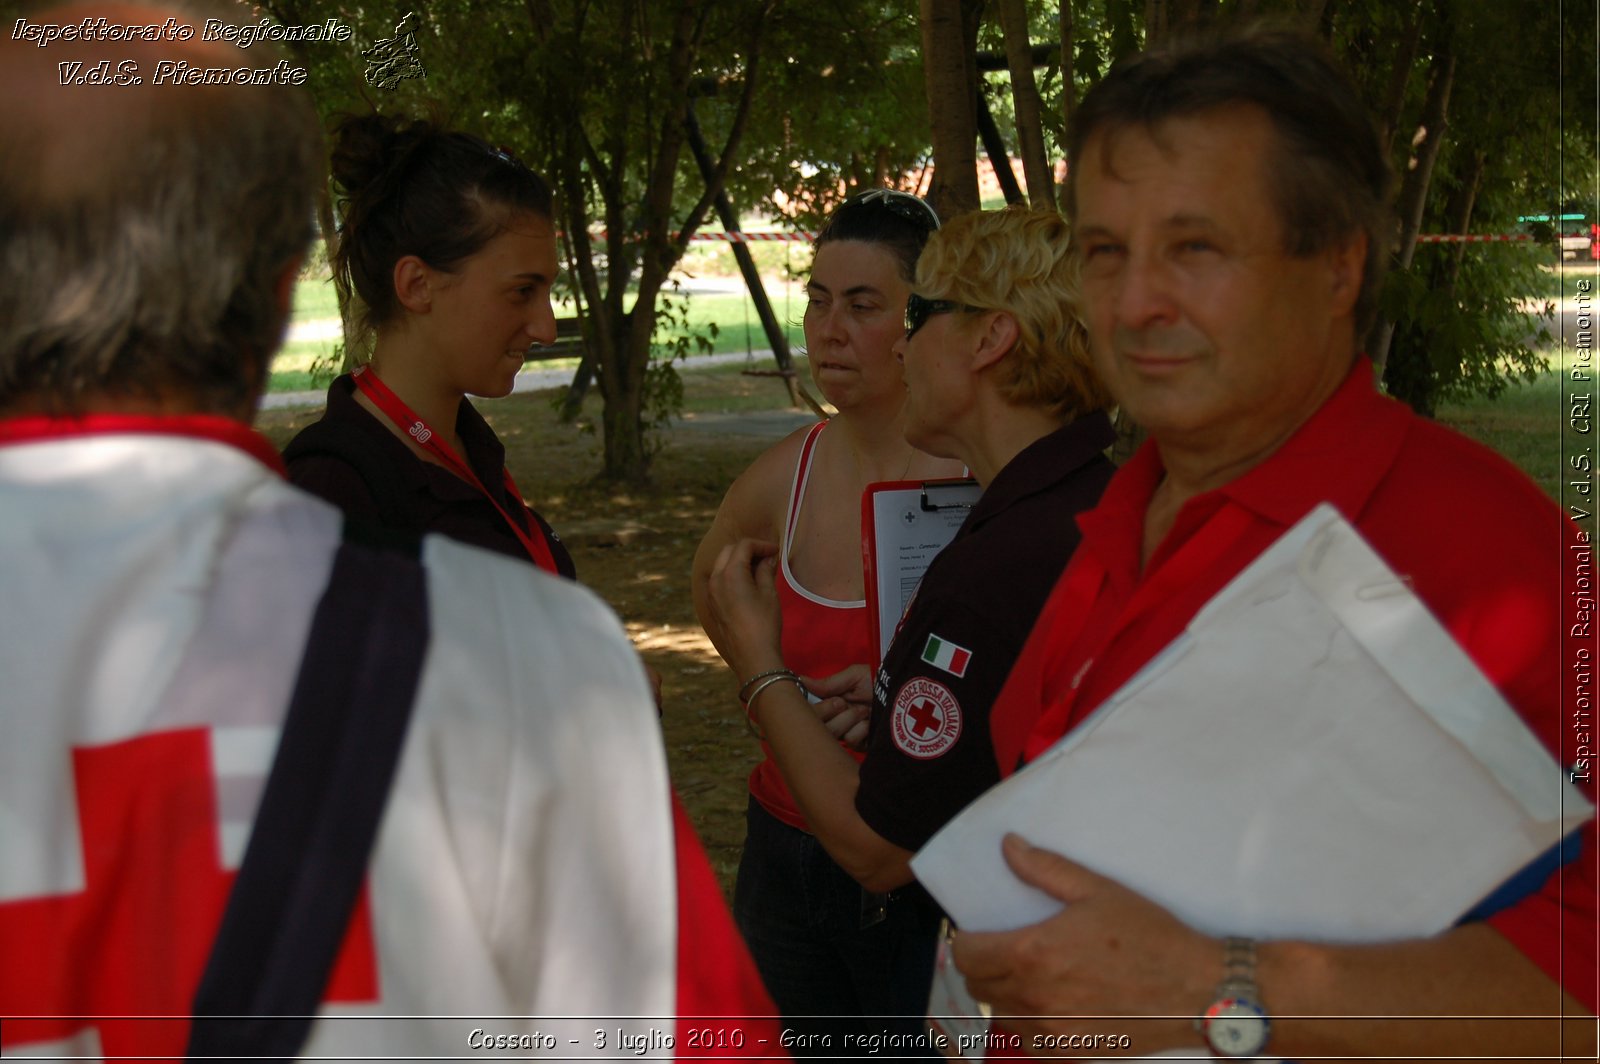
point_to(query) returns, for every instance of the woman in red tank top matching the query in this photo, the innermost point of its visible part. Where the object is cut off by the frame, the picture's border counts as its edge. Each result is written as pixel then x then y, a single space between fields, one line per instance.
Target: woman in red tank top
pixel 820 940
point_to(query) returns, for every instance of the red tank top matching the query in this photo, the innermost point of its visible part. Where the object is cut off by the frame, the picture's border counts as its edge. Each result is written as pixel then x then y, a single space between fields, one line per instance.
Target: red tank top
pixel 820 637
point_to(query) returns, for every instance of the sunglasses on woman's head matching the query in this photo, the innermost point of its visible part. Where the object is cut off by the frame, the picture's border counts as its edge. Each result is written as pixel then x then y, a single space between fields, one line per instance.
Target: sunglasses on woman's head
pixel 504 155
pixel 920 308
pixel 902 204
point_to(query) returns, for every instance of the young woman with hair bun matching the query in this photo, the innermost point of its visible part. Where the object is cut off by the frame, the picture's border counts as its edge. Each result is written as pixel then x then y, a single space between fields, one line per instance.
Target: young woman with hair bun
pixel 450 246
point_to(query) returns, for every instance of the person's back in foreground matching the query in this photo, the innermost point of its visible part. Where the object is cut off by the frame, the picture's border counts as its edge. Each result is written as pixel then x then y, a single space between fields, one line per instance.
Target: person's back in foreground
pixel 161 579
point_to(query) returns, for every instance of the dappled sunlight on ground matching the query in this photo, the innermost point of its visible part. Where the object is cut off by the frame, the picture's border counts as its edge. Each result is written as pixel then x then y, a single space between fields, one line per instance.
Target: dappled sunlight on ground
pixel 682 640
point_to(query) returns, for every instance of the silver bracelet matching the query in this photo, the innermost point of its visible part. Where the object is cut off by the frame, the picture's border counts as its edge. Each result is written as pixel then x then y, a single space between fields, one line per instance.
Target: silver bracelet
pixel 750 703
pixel 760 676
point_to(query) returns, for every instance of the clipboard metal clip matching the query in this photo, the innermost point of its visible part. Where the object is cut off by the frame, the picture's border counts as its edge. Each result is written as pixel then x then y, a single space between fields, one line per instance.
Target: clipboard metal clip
pixel 955 495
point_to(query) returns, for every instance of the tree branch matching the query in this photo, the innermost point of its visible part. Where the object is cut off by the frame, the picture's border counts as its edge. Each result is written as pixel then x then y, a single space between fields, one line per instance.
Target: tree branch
pixel 1036 168
pixel 1069 86
pixel 741 116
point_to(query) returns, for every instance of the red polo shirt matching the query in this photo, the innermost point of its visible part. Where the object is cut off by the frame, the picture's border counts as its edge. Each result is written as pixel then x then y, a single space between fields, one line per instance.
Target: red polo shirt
pixel 1489 553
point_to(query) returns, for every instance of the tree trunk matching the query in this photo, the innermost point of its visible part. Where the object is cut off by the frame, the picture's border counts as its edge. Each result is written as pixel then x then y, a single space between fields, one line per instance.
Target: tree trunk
pixel 1418 363
pixel 1458 212
pixel 1435 122
pixel 1414 192
pixel 1036 168
pixel 1069 87
pixel 356 345
pixel 626 456
pixel 1155 22
pixel 994 146
pixel 1400 75
pixel 622 339
pixel 622 422
pixel 950 77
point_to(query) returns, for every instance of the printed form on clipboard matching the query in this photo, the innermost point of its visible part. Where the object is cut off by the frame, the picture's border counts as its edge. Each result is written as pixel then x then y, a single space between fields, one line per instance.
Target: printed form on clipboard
pixel 904 525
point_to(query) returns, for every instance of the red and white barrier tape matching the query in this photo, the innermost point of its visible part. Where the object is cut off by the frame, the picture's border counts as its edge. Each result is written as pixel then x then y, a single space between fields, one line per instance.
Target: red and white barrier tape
pixel 1474 238
pixel 750 238
pixel 801 237
pixel 737 237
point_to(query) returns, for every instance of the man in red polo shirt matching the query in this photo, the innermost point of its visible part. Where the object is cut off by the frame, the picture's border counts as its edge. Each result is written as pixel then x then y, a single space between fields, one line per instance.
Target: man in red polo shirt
pixel 1228 201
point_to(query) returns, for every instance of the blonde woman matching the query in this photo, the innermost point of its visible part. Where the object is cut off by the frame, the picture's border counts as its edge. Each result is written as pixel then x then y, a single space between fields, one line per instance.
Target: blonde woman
pixel 998 378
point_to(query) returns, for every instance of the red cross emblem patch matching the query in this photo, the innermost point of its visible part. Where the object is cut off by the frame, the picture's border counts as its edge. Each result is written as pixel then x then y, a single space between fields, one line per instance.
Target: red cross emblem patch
pixel 122 956
pixel 926 720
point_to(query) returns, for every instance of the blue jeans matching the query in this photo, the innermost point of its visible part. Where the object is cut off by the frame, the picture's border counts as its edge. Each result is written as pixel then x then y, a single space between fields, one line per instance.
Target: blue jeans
pixel 831 977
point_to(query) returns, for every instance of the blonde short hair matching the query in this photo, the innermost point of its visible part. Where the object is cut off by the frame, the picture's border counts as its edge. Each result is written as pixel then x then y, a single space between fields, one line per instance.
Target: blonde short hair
pixel 1020 261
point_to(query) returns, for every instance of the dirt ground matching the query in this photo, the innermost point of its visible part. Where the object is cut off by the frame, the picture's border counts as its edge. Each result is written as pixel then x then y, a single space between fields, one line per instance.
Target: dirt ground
pixel 634 549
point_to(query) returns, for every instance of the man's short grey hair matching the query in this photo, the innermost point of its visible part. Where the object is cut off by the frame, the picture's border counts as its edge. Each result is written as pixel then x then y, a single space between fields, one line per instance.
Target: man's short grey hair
pixel 154 272
pixel 1329 173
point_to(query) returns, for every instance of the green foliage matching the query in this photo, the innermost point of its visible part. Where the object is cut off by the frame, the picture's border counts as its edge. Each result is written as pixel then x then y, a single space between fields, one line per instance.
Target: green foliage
pixel 675 338
pixel 326 367
pixel 1513 146
pixel 1473 338
pixel 843 106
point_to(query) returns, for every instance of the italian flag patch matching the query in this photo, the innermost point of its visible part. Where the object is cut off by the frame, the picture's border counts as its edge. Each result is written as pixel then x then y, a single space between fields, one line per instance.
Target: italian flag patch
pixel 943 654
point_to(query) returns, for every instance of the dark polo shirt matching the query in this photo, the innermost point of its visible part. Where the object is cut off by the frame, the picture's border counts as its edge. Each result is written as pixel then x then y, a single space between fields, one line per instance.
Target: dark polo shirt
pixel 429 497
pixel 928 752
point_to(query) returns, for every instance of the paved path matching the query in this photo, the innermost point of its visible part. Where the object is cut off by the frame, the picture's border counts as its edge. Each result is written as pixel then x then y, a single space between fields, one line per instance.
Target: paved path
pixel 763 423
pixel 532 378
pixel 1565 322
pixel 768 424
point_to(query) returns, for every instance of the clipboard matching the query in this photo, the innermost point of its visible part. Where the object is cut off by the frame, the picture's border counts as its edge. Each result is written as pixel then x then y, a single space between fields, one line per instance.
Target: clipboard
pixel 904 525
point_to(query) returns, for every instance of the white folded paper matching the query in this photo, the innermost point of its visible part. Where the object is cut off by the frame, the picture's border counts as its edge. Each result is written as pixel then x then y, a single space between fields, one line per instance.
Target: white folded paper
pixel 1314 758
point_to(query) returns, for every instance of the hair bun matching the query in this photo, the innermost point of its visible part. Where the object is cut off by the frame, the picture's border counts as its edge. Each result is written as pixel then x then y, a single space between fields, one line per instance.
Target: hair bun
pixel 372 151
pixel 412 187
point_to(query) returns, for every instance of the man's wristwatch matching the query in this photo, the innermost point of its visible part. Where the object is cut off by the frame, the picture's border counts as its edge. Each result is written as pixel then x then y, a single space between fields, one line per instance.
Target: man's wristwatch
pixel 1236 1023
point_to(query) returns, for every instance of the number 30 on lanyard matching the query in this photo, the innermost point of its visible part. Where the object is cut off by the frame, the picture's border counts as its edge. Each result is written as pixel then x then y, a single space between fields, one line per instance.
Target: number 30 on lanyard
pixel 395 409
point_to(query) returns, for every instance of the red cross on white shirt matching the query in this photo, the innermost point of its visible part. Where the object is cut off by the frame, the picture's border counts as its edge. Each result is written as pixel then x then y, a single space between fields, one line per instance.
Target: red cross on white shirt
pixel 133 942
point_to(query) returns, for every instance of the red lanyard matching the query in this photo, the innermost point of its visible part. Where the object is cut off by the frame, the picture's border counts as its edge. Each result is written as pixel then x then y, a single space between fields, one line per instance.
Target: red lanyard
pixel 395 409
pixel 36 427
pixel 1082 586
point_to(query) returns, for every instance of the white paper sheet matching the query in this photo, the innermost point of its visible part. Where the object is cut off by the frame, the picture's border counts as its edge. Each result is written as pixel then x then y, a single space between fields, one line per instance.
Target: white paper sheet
pixel 907 523
pixel 1314 758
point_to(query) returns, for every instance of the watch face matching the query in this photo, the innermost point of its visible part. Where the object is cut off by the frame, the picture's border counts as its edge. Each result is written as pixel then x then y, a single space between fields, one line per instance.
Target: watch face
pixel 1236 1027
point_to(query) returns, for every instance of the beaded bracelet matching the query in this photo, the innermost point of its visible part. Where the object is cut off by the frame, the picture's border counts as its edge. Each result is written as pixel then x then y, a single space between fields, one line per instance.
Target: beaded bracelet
pixel 745 698
pixel 749 703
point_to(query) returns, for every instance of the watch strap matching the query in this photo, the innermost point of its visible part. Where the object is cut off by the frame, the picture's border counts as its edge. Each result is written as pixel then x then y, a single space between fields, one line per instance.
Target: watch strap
pixel 1237 997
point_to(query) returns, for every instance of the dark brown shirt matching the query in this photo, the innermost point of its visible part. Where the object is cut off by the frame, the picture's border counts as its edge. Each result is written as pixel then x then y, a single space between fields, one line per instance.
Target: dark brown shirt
pixel 428 498
pixel 928 752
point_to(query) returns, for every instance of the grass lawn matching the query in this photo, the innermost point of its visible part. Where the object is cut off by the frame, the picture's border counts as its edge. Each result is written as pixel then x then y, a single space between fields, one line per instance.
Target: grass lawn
pixel 1529 424
pixel 315 299
pixel 1532 425
pixel 738 327
pixel 1562 280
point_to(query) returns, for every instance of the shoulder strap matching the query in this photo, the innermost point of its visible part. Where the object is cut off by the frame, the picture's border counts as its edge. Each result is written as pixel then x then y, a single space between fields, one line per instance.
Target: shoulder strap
pixel 307 857
pixel 353 447
pixel 797 487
